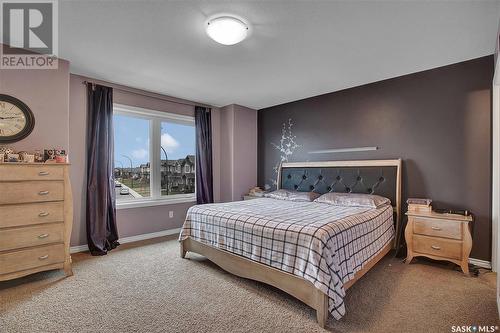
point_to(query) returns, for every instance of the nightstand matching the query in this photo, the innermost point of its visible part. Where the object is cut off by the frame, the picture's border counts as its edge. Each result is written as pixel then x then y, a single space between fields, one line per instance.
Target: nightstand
pixel 250 197
pixel 440 237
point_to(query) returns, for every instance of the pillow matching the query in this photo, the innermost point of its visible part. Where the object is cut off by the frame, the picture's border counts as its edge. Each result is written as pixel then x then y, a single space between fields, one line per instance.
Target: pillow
pixel 292 195
pixel 353 200
pixel 278 194
pixel 302 196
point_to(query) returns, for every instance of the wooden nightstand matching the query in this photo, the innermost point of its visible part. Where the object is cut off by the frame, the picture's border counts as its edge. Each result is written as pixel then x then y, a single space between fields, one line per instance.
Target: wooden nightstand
pixel 439 236
pixel 250 197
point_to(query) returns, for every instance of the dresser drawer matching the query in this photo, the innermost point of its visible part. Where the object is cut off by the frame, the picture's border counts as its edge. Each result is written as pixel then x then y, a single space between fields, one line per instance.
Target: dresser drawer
pixel 445 248
pixel 30 258
pixel 31 172
pixel 27 214
pixel 16 238
pixel 32 191
pixel 436 227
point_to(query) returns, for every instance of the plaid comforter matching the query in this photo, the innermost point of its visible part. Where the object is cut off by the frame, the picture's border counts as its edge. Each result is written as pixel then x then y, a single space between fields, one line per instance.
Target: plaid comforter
pixel 321 243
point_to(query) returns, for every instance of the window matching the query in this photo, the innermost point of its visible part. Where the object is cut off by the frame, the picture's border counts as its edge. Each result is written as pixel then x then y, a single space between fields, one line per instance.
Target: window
pixel 132 164
pixel 151 150
pixel 178 146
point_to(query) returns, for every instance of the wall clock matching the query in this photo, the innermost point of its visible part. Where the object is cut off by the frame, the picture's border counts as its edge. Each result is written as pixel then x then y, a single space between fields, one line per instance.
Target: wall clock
pixel 16 119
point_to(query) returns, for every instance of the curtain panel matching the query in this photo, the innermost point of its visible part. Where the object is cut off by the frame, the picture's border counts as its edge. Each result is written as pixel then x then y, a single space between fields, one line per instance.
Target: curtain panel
pixel 204 174
pixel 102 233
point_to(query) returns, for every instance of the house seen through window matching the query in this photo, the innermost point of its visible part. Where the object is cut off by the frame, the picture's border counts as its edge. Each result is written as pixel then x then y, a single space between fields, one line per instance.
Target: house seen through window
pixel 154 155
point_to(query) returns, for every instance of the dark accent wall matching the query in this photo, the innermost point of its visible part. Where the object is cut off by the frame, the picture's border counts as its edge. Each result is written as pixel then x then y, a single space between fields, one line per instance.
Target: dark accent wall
pixel 438 121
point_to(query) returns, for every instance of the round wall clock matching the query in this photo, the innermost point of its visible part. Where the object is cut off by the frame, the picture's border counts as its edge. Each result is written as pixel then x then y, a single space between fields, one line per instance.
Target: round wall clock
pixel 16 119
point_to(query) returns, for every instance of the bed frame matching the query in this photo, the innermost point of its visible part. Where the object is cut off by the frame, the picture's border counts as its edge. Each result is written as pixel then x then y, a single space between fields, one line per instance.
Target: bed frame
pixel 291 284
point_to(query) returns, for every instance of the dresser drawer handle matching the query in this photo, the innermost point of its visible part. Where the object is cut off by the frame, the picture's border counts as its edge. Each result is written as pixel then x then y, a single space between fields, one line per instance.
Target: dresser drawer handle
pixel 436 228
pixel 43 192
pixel 44 257
pixel 43 236
pixel 435 247
pixel 43 214
pixel 44 173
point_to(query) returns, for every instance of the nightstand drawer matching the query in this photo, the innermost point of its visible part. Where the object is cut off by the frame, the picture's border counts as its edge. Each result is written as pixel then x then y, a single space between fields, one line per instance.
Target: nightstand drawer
pixel 33 191
pixel 440 247
pixel 439 228
pixel 16 238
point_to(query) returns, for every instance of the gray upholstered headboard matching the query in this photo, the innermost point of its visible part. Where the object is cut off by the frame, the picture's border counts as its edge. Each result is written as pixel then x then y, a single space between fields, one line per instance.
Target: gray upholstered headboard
pixel 381 177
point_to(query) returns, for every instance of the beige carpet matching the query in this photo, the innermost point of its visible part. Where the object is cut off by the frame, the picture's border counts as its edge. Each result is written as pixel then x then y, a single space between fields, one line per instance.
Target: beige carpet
pixel 150 289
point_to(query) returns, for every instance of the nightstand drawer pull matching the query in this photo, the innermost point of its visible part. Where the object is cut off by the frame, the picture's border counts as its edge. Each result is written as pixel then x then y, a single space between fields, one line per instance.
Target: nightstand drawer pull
pixel 43 192
pixel 43 214
pixel 435 247
pixel 44 173
pixel 44 257
pixel 436 228
pixel 43 236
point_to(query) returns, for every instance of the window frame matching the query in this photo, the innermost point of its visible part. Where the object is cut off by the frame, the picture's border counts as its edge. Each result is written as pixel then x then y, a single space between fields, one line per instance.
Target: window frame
pixel 155 119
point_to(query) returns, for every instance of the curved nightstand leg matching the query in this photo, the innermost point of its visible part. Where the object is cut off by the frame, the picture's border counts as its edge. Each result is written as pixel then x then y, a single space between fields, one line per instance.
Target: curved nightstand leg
pixel 465 267
pixel 466 247
pixel 409 240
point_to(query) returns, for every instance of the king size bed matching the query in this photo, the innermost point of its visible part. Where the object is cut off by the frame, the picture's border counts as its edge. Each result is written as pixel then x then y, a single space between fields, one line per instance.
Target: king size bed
pixel 313 250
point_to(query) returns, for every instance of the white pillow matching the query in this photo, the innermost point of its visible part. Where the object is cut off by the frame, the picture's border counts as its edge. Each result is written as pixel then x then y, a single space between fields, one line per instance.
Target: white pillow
pixel 353 200
pixel 292 195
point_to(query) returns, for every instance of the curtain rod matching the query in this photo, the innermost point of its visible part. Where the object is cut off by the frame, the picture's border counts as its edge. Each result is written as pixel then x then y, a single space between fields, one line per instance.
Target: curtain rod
pixel 147 94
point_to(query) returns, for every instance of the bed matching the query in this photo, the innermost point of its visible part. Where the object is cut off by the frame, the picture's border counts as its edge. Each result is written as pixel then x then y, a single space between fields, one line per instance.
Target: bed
pixel 313 251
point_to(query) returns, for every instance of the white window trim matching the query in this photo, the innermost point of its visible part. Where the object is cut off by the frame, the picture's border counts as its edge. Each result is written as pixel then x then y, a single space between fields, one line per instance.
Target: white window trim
pixel 177 199
pixel 155 119
pixel 148 114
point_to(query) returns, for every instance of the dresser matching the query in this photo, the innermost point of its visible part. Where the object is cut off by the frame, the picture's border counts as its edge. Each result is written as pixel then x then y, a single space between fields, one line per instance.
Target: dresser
pixel 36 216
pixel 439 236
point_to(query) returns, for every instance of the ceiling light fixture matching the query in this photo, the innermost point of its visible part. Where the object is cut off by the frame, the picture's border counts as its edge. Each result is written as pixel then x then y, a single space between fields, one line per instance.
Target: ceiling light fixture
pixel 227 29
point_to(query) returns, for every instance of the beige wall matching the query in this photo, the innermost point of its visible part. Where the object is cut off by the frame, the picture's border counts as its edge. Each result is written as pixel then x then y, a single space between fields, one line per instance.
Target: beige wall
pixel 238 151
pixel 226 147
pixel 244 150
pixel 46 92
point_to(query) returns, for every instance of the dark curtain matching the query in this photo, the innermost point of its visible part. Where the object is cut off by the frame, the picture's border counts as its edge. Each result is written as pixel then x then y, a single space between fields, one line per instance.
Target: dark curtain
pixel 102 234
pixel 204 175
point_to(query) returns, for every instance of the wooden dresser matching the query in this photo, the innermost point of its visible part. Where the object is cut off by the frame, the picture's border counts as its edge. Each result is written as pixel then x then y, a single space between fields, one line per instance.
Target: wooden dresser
pixel 36 216
pixel 439 236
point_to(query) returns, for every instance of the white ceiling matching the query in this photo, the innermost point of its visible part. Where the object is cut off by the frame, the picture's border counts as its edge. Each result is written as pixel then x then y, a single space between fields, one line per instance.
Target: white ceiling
pixel 297 49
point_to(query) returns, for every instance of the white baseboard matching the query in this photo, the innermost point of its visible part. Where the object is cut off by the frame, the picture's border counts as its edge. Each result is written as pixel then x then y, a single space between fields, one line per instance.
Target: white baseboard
pixel 78 248
pixel 480 263
pixel 131 239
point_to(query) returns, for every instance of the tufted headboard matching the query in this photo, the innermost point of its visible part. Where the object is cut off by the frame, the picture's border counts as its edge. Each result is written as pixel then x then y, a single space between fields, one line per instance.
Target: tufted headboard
pixel 381 177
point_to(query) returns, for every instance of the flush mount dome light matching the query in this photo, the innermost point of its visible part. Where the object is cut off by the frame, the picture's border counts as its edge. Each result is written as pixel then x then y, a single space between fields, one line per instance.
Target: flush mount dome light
pixel 227 29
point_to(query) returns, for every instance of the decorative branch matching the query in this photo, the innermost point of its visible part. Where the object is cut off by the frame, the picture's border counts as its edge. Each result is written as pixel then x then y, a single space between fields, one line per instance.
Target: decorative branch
pixel 287 146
